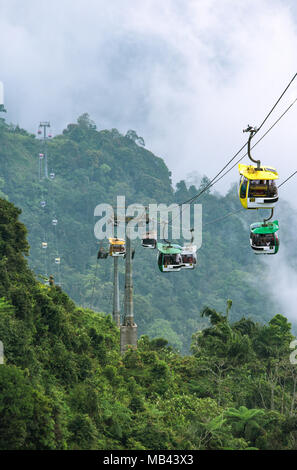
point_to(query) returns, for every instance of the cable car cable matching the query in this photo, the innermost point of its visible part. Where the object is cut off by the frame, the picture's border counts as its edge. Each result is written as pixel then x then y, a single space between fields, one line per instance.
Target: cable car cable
pixel 288 178
pixel 261 125
pixel 212 183
pixel 224 217
pixel 216 180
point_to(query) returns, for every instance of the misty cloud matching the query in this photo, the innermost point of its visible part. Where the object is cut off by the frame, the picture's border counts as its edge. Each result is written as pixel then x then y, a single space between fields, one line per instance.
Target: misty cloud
pixel 188 76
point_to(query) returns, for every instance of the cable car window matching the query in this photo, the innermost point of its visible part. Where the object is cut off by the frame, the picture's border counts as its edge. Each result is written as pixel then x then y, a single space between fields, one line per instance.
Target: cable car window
pixel 258 188
pixel 272 188
pixel 243 188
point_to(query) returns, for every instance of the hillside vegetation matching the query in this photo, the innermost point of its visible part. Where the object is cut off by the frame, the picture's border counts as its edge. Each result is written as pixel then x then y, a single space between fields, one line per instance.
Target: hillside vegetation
pixel 94 166
pixel 64 384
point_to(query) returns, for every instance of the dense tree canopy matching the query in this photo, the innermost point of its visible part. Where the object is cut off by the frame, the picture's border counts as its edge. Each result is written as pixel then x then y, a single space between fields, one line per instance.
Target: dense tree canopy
pixel 64 384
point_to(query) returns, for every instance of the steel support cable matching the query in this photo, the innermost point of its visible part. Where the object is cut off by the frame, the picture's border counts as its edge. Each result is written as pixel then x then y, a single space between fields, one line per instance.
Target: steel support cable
pixel 288 178
pixel 258 141
pixel 238 152
pixel 214 180
pixel 276 103
pixel 224 217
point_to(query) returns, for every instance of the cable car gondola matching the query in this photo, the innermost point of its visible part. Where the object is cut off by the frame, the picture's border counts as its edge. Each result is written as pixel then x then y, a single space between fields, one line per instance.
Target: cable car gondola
pixel 263 238
pixel 257 188
pixel 117 247
pixel 169 258
pixel 44 245
pixel 149 240
pixel 189 257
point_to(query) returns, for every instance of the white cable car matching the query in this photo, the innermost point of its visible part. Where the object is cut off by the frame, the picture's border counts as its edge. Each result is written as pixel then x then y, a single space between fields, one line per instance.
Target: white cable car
pixel 43 203
pixel 52 175
pixel 149 240
pixel 57 260
pixel 44 245
pixel 54 221
pixel 189 257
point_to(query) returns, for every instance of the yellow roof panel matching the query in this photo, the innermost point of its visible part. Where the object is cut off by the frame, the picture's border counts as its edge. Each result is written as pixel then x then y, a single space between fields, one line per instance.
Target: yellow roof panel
pixel 252 173
pixel 116 241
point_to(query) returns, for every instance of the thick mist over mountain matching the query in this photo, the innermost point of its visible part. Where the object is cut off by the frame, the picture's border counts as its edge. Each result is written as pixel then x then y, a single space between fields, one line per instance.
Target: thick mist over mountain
pixel 187 76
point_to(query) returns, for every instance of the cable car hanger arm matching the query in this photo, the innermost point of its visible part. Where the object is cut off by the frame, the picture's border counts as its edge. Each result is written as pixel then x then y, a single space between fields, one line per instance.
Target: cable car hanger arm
pixel 252 131
pixel 271 215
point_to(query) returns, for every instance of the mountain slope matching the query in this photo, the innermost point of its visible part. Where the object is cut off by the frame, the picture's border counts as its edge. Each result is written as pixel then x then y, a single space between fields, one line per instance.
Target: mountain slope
pixel 93 167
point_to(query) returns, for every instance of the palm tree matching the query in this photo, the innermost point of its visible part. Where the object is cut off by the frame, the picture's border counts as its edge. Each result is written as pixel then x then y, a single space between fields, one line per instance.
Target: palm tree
pixel 244 420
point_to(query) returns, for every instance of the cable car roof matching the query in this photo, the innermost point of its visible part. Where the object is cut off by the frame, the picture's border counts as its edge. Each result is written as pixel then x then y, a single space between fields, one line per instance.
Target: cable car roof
pixel 189 249
pixel 252 173
pixel 271 227
pixel 169 249
pixel 116 241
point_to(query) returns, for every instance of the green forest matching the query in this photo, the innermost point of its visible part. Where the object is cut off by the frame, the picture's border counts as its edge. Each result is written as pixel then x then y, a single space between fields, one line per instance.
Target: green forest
pixel 93 167
pixel 212 368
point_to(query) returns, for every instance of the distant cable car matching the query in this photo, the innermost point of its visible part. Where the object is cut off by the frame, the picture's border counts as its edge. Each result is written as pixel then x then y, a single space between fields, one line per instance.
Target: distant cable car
pixel 169 258
pixel 263 238
pixel 102 254
pixel 39 131
pixel 43 203
pixel 41 155
pixel 57 260
pixel 50 135
pixel 149 240
pixel 189 257
pixel 44 245
pixel 54 221
pixel 52 175
pixel 117 247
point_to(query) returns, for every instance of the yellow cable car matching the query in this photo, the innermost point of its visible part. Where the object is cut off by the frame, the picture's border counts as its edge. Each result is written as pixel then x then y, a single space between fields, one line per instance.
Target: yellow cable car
pixel 257 188
pixel 117 247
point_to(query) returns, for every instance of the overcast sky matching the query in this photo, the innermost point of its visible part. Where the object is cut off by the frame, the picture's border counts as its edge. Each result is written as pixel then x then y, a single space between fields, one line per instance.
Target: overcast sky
pixel 187 75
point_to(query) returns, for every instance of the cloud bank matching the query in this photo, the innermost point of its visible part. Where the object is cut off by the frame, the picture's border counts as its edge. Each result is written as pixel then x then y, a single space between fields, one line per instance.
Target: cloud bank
pixel 186 75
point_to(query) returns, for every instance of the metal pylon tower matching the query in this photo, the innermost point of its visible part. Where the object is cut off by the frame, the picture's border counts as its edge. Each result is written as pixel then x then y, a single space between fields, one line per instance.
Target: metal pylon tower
pixel 116 292
pixel 44 125
pixel 128 330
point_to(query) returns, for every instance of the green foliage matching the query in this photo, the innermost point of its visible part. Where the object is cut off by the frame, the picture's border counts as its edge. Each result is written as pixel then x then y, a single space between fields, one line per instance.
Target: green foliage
pixel 64 384
pixel 93 166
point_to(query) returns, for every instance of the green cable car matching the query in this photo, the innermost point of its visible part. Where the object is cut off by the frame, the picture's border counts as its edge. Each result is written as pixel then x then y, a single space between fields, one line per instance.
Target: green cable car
pixel 169 258
pixel 263 238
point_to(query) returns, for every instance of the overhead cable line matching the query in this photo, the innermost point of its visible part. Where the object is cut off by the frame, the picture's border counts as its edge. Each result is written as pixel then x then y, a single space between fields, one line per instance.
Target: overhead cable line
pixel 258 141
pixel 224 217
pixel 288 178
pixel 216 179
